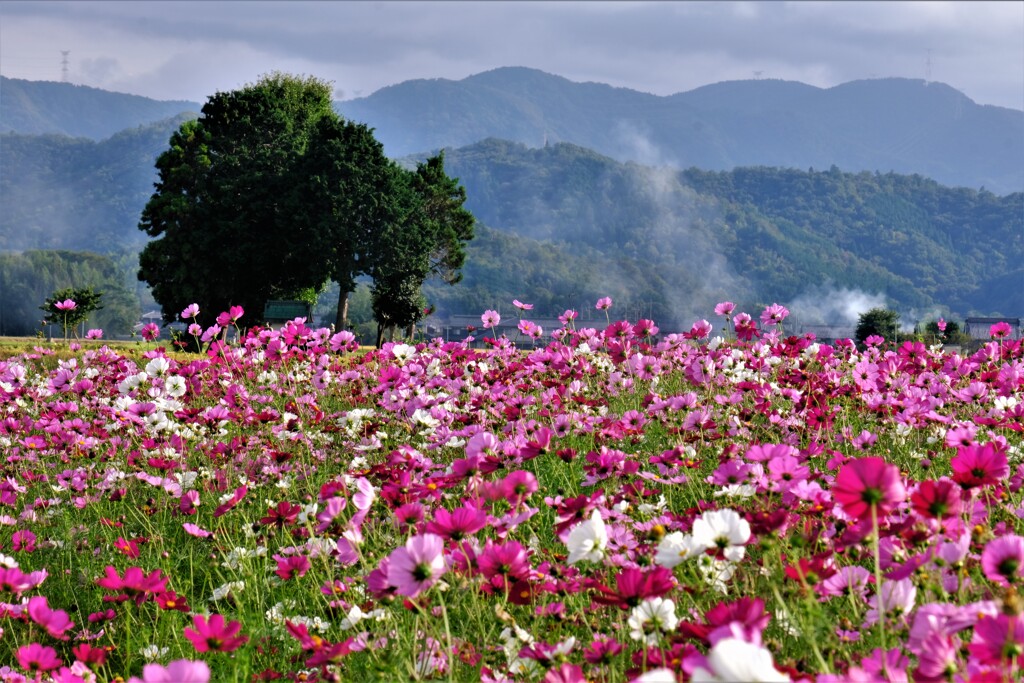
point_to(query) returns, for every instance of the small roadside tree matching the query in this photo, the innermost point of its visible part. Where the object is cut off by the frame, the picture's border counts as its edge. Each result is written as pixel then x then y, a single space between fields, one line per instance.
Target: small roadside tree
pixel 878 321
pixel 70 307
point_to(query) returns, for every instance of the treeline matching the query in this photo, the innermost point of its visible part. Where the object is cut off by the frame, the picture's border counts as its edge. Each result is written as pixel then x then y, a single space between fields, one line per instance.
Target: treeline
pixel 28 278
pixel 562 225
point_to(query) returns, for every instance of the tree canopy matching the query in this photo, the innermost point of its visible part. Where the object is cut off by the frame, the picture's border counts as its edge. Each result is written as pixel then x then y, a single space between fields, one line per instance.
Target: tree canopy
pixel 881 322
pixel 269 194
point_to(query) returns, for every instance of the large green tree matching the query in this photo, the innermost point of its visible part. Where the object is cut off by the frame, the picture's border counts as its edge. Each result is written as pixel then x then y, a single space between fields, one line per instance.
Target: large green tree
pixel 230 211
pixel 354 198
pixel 270 194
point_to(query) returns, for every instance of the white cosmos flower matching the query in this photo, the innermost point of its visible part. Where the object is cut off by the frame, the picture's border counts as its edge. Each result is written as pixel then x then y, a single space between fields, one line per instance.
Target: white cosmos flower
pixel 174 386
pixel 656 676
pixel 651 618
pixel 403 352
pixel 716 573
pixel 675 548
pixel 732 659
pixel 724 530
pixel 158 367
pixel 588 540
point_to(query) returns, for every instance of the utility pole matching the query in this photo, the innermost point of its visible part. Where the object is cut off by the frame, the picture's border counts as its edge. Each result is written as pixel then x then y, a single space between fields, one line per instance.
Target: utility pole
pixel 64 65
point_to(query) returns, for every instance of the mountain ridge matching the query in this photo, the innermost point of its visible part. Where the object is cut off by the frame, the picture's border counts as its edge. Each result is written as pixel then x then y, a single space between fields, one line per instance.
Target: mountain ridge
pixel 885 124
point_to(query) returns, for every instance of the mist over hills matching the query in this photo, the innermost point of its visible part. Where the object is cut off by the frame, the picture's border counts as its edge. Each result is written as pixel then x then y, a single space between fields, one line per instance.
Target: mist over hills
pixel 627 209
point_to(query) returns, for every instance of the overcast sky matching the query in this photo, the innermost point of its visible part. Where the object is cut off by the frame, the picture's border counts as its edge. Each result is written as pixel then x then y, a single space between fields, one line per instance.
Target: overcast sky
pixel 189 50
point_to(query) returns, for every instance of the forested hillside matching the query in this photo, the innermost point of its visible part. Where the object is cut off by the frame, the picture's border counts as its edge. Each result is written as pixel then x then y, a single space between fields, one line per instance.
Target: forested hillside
pixel 38 107
pixel 73 193
pixel 675 241
pixel 562 225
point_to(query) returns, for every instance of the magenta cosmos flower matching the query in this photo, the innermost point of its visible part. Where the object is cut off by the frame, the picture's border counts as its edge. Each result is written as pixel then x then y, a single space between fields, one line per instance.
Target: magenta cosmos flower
pixel 1000 330
pixel 868 482
pixel 415 567
pixel 36 657
pixel 214 635
pixel 1003 559
pixel 979 465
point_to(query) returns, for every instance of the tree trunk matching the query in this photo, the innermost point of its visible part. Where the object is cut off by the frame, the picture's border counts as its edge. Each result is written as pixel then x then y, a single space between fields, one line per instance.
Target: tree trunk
pixel 341 316
pixel 380 335
pixel 410 332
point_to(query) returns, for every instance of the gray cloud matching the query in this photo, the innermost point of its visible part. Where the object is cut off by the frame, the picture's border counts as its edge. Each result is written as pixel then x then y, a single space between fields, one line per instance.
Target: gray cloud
pixel 187 50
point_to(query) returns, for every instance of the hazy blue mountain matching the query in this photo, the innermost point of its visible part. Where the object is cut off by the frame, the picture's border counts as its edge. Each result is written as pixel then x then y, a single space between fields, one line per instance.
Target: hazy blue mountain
pixel 892 124
pixel 35 107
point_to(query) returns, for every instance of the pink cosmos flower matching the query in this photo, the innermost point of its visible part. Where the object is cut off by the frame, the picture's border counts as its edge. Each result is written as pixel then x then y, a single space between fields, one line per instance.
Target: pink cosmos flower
pixel 134 585
pixel 214 635
pixel 941 324
pixel 415 567
pixel 14 580
pixel 521 306
pixel 54 621
pixel 531 329
pixel 979 465
pixel 458 524
pixel 1000 330
pixel 66 305
pixel 937 499
pixel 700 330
pixel 150 331
pixel 725 308
pixel 1003 560
pixel 774 314
pixel 235 499
pixel 999 640
pixel 35 657
pixel 197 531
pixel 294 566
pixel 746 329
pixel 566 673
pixel 503 564
pixel 568 316
pixel 866 482
pixel 604 303
pixel 343 341
pixel 518 486
pixel 938 657
pixel 94 333
pixel 191 311
pixel 490 318
pixel 178 671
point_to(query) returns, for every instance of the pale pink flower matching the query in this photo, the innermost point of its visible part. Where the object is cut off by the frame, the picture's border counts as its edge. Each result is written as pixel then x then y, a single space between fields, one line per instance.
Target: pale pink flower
pixel 415 567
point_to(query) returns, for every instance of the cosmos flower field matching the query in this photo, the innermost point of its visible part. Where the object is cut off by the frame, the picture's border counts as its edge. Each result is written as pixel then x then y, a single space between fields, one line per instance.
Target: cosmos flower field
pixel 612 504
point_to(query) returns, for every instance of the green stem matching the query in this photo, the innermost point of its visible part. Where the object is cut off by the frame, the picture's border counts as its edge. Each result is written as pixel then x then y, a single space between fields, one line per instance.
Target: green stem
pixel 879 600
